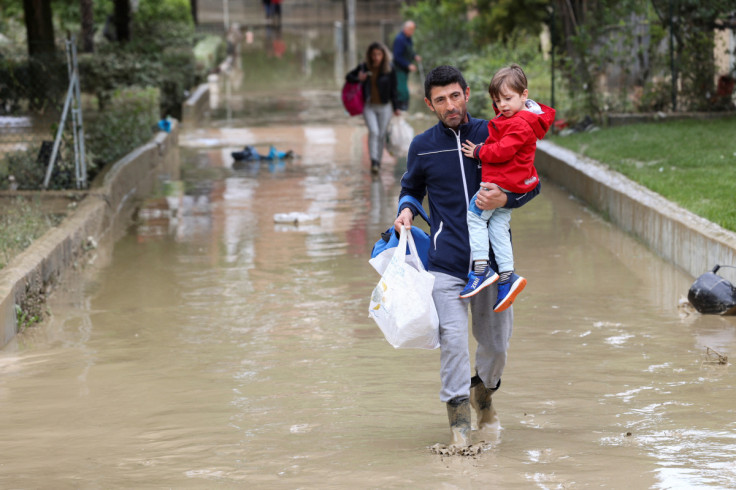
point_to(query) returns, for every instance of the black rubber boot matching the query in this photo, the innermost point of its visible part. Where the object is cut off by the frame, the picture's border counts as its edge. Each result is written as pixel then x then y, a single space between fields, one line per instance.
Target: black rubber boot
pixel 458 413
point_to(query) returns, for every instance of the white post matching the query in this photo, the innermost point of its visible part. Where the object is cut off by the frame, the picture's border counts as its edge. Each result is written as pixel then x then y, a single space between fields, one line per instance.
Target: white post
pixel 225 15
pixel 352 56
pixel 339 54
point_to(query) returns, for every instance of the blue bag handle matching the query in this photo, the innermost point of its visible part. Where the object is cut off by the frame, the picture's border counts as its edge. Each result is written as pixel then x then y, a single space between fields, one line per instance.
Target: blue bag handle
pixel 421 239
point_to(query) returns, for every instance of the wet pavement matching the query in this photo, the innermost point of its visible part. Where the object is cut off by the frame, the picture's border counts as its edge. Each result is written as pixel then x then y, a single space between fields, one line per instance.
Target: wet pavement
pixel 213 347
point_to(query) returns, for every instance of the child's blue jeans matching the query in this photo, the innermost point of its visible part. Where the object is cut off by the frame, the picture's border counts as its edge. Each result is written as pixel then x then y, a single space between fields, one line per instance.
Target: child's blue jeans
pixel 493 224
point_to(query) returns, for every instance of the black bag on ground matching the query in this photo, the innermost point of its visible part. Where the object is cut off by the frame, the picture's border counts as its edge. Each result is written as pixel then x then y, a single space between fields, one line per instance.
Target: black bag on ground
pixel 712 294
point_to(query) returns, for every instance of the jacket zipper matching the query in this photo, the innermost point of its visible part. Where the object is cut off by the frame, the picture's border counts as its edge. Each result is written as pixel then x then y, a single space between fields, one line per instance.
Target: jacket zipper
pixel 465 182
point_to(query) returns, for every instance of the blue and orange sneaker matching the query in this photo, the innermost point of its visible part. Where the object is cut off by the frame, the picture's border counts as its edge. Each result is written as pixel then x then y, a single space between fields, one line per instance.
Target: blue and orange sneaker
pixel 478 282
pixel 508 291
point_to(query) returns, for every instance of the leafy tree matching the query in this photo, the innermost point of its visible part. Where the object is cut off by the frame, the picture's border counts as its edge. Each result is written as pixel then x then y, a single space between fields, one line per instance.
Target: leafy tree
pixel 498 20
pixel 692 23
pixel 442 30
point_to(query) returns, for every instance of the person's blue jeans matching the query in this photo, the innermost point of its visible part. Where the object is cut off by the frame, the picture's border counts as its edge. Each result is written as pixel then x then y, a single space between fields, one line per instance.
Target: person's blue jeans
pixel 494 225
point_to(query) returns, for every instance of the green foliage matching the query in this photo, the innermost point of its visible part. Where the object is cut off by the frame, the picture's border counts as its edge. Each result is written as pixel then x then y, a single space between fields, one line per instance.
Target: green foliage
pixel 160 55
pixel 441 33
pixel 25 319
pixel 127 122
pixel 693 32
pixel 478 71
pixel 28 168
pixel 155 11
pixel 208 52
pixel 691 162
pixel 11 8
pixel 499 20
pixel 22 221
pixel 39 83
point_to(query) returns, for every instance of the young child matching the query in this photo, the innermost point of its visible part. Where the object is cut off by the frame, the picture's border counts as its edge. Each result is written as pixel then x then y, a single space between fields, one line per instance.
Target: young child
pixel 507 159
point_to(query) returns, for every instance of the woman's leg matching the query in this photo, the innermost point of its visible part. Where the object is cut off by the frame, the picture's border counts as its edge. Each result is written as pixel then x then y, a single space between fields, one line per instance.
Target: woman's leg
pixel 370 115
pixel 384 113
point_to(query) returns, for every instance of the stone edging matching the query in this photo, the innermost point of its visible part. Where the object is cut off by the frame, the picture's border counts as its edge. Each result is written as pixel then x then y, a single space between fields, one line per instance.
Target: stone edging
pixel 690 242
pixel 35 270
pixel 196 107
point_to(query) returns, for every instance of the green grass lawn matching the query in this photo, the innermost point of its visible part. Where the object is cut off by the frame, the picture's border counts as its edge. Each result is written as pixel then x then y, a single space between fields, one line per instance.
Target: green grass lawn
pixel 691 163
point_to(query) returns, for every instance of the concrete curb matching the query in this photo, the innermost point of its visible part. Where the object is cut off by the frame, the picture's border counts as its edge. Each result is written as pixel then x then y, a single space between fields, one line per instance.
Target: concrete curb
pixel 688 241
pixel 35 271
pixel 196 107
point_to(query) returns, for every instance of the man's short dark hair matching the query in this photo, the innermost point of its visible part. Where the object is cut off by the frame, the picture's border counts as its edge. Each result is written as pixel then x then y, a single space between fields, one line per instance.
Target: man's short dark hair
pixel 443 76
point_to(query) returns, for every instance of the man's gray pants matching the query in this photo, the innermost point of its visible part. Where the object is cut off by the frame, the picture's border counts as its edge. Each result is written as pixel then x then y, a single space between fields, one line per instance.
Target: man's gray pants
pixel 491 330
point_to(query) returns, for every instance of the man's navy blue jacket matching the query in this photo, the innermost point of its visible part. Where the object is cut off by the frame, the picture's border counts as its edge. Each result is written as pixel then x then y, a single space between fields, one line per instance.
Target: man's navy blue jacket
pixel 436 167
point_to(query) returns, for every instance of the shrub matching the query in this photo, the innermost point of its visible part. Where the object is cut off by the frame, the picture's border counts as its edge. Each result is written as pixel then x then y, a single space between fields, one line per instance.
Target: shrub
pixel 153 11
pixel 208 52
pixel 127 122
pixel 29 170
pixel 159 54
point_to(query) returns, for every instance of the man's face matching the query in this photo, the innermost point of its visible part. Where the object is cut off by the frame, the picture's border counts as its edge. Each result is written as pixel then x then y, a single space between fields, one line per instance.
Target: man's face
pixel 449 103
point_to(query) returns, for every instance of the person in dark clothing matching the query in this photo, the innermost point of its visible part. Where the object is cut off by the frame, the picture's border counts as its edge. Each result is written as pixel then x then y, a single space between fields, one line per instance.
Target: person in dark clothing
pixel 404 61
pixel 378 78
pixel 437 169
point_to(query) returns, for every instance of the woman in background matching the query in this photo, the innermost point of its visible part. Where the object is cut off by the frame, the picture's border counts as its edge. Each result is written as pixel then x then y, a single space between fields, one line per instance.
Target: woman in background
pixel 378 78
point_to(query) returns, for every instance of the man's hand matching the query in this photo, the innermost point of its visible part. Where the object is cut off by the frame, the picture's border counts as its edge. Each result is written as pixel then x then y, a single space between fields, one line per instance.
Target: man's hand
pixel 405 217
pixel 469 149
pixel 412 67
pixel 490 196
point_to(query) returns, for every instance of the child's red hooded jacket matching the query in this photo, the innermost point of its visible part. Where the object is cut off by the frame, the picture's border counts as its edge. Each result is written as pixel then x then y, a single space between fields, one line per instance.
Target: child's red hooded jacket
pixel 508 153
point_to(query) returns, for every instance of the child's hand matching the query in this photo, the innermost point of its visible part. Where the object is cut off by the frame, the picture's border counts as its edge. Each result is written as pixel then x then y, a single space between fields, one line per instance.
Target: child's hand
pixel 469 149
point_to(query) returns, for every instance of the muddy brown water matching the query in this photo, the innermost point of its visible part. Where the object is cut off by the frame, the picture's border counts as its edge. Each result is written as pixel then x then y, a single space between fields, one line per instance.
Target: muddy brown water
pixel 214 348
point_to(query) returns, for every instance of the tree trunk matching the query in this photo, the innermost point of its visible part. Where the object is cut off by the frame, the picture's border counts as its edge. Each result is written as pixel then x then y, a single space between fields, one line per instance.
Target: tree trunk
pixel 193 7
pixel 88 26
pixel 39 27
pixel 122 20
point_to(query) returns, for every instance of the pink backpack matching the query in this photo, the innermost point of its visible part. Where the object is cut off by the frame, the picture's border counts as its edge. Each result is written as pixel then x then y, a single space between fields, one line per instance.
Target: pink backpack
pixel 352 98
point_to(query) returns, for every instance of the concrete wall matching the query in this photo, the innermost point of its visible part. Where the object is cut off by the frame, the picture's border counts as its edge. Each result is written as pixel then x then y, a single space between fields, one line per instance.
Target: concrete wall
pixel 196 107
pixel 690 242
pixel 34 272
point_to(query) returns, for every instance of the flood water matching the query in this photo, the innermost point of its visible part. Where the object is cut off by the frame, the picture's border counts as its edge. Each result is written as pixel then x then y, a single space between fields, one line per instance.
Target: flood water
pixel 214 348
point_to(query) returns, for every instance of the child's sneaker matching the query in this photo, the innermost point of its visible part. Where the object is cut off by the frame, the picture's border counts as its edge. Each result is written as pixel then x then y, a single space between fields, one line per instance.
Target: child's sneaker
pixel 478 282
pixel 507 292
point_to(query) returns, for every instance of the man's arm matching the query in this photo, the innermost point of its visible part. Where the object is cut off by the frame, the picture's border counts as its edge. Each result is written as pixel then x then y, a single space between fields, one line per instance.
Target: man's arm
pixel 491 196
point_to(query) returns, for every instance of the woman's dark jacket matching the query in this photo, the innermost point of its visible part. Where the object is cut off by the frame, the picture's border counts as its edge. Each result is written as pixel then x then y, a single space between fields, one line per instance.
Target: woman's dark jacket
pixel 386 84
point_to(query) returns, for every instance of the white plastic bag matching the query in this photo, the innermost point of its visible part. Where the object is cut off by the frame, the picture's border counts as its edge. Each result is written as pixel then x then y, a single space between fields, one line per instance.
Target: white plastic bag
pixel 380 262
pixel 402 304
pixel 400 134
